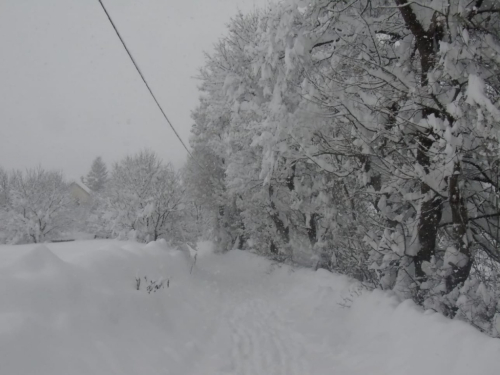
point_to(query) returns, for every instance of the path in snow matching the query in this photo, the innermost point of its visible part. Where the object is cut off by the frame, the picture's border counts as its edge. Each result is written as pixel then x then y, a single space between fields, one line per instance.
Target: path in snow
pixel 74 309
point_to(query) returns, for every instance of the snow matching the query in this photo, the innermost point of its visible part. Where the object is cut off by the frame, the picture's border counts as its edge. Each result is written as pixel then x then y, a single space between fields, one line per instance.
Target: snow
pixel 453 257
pixel 73 308
pixel 476 95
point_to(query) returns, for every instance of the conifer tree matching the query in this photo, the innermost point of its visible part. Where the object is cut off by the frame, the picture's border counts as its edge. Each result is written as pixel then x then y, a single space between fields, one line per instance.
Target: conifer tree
pixel 97 177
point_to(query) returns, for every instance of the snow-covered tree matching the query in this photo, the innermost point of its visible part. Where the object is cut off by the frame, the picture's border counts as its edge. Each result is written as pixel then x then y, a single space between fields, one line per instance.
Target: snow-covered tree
pixel 143 199
pixel 203 177
pixel 4 190
pixel 97 177
pixel 39 206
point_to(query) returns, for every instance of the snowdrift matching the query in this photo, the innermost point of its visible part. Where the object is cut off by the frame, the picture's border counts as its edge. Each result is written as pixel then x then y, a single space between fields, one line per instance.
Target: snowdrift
pixel 77 308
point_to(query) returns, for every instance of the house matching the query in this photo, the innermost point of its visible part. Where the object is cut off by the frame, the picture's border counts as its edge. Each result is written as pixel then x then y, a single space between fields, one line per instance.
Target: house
pixel 80 193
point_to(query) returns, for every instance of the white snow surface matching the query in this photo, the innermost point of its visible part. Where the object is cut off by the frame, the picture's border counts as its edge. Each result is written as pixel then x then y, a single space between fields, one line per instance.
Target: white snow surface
pixel 73 308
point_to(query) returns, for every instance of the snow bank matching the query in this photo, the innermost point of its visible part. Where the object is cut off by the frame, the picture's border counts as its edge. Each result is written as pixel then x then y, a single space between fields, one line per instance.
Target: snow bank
pixel 413 342
pixel 373 333
pixel 84 315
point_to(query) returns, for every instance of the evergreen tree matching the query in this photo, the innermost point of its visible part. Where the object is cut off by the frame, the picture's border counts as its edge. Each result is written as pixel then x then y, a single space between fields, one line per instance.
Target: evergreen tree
pixel 97 177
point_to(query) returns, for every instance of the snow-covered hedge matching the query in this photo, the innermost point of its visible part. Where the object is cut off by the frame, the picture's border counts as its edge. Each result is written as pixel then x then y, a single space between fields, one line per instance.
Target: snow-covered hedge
pixel 361 137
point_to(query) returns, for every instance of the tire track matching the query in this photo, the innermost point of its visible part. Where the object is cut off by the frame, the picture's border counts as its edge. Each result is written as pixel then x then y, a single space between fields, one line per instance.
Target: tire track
pixel 263 344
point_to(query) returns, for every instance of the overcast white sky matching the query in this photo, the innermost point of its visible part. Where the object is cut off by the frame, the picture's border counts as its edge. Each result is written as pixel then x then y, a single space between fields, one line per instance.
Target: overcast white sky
pixel 69 93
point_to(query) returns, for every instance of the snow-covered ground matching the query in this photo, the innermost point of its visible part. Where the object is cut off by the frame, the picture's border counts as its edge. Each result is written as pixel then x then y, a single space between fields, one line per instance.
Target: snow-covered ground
pixel 73 308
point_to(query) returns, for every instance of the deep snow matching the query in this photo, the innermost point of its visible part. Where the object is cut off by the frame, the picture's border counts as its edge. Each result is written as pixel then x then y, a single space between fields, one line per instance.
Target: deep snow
pixel 73 308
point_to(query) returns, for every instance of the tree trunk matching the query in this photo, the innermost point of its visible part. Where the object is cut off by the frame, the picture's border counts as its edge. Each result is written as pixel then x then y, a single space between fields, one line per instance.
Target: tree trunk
pixel 460 271
pixel 281 228
pixel 430 212
pixel 312 229
pixel 431 207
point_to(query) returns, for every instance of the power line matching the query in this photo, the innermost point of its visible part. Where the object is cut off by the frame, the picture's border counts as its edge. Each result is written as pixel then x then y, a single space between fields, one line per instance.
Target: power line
pixel 142 76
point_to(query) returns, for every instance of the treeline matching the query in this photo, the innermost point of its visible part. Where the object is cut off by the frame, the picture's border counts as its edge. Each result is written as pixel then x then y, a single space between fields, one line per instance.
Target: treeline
pixel 141 198
pixel 361 137
pixel 144 199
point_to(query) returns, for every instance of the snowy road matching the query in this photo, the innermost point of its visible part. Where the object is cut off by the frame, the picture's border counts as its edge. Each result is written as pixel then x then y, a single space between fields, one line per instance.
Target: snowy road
pixel 74 309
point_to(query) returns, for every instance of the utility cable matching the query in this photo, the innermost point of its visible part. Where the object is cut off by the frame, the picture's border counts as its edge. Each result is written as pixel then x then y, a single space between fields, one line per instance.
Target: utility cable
pixel 142 76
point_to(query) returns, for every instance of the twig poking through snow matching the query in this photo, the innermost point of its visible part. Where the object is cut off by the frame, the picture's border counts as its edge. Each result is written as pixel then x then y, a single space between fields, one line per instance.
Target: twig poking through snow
pixel 194 262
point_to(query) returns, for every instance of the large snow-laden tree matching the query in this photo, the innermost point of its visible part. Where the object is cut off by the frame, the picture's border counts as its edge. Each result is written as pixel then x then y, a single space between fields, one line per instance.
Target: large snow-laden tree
pixel 144 198
pixel 230 115
pixel 218 139
pixel 383 76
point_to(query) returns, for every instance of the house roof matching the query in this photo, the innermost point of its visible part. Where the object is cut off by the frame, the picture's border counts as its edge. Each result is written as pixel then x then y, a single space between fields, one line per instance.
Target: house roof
pixel 81 186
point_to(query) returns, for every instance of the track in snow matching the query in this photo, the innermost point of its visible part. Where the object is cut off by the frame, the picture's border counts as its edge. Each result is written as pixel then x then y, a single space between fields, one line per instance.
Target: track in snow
pixel 263 344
